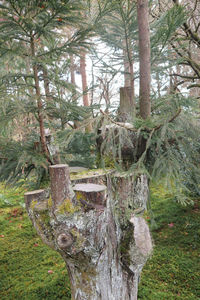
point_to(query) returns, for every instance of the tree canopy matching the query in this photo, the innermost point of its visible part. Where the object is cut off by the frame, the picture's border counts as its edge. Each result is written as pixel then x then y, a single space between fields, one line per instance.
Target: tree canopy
pixel 42 116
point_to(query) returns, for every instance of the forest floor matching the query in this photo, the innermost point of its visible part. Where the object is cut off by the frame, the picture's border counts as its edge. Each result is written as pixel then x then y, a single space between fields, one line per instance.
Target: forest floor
pixel 32 271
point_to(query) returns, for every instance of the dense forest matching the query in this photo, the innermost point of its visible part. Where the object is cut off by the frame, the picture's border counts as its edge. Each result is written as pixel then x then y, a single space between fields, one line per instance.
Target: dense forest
pixel 99 103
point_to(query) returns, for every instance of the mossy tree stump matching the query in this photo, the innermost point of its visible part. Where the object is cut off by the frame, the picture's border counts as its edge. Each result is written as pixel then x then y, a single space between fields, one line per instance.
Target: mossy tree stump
pixel 95 228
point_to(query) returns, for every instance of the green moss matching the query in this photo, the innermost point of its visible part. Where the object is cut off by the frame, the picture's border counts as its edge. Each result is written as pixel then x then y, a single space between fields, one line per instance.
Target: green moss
pixel 67 207
pixel 125 243
pixel 44 218
pixel 89 173
pixel 11 196
pixel 25 262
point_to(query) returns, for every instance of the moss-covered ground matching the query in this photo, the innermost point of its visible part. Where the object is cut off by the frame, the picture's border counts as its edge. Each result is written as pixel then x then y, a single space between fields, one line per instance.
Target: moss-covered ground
pixel 31 270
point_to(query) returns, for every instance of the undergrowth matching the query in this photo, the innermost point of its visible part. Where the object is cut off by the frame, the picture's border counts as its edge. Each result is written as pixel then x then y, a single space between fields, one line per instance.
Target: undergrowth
pixel 32 271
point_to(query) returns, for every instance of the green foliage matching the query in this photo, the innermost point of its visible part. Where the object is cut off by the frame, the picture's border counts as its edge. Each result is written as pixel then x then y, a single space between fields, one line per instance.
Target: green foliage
pixel 119 25
pixel 163 146
pixel 165 27
pixel 11 196
pixel 39 23
pixel 82 147
pixel 19 159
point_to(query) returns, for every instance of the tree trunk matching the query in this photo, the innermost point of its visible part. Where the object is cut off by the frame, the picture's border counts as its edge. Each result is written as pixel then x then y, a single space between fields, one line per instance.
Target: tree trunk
pixel 126 110
pixel 53 149
pixel 84 85
pixel 96 225
pixel 39 102
pixel 72 70
pixel 128 67
pixel 145 58
pixel 84 79
pixel 46 84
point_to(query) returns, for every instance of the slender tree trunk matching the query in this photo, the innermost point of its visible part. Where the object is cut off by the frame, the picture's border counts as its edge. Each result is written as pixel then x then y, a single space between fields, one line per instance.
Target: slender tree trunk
pixel 53 150
pixel 84 78
pixel 46 84
pixel 84 85
pixel 128 68
pixel 104 246
pixel 72 69
pixel 145 57
pixel 39 102
pixel 127 79
pixel 127 103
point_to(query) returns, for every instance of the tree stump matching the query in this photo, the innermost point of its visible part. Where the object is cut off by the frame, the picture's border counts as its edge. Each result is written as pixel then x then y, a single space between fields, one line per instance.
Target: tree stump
pixel 97 229
pixel 127 106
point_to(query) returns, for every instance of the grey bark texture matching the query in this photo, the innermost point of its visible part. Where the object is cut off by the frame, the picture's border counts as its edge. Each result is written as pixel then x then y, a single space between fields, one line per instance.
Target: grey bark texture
pixel 95 222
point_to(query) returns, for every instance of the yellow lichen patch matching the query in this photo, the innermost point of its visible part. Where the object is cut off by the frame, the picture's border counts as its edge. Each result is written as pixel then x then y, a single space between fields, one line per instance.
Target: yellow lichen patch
pixel 33 204
pixel 80 196
pixel 79 239
pixel 67 207
pixel 50 202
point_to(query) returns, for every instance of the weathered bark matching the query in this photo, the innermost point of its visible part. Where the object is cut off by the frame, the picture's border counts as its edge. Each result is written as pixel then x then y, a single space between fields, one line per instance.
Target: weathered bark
pixel 145 58
pixel 97 229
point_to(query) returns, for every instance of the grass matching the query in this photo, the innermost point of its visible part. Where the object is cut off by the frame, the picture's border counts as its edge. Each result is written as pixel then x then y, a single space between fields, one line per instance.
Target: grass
pixel 30 270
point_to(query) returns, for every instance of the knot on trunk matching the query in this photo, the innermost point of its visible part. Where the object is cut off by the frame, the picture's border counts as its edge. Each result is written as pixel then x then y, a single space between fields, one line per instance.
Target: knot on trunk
pixel 64 240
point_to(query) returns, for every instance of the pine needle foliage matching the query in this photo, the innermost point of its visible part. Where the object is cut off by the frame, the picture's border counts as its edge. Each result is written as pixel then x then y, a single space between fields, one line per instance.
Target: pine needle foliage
pixel 21 159
pixel 32 34
pixel 163 146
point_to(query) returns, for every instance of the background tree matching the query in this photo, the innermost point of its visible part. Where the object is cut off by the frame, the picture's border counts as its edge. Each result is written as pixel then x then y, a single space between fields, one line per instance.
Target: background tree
pixel 31 34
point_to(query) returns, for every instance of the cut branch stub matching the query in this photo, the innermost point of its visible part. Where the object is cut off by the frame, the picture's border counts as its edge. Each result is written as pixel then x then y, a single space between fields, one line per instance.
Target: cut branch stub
pixel 60 185
pixel 64 240
pixel 37 208
pixel 37 196
pixel 91 196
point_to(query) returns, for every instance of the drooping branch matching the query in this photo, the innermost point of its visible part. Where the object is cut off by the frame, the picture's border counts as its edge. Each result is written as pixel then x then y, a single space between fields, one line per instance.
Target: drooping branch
pixel 189 32
pixel 130 126
pixel 184 76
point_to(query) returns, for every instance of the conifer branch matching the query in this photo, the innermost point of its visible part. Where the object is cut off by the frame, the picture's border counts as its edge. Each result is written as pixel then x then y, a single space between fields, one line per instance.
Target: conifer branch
pixel 145 127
